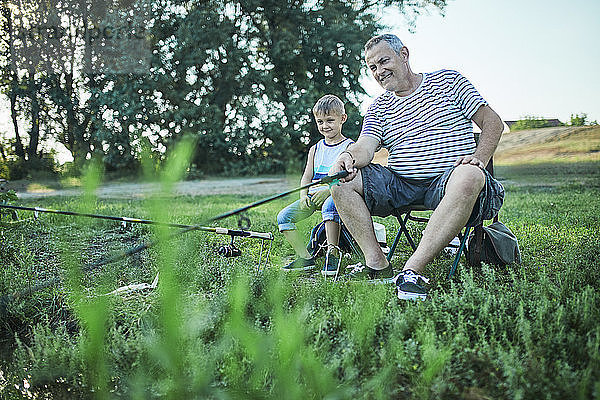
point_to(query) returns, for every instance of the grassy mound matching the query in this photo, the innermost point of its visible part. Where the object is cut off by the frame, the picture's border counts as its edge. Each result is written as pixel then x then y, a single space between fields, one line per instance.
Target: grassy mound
pixel 549 145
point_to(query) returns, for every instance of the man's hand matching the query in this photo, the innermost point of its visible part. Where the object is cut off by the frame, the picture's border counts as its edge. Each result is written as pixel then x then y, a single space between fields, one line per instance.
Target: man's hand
pixel 318 198
pixel 344 162
pixel 472 160
pixel 305 203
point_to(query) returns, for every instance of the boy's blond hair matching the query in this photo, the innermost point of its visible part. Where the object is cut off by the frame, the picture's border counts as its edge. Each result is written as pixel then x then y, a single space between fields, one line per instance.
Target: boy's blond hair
pixel 329 104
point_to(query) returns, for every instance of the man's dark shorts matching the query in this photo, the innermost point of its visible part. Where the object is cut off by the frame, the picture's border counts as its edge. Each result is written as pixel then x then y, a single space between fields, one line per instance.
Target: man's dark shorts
pixel 385 192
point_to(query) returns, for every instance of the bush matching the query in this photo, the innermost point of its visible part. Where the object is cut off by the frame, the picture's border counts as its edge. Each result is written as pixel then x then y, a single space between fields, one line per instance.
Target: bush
pixel 578 119
pixel 529 122
pixel 4 170
pixel 44 167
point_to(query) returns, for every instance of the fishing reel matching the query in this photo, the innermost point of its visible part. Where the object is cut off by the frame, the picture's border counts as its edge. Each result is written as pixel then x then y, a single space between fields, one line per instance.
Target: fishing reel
pixel 229 250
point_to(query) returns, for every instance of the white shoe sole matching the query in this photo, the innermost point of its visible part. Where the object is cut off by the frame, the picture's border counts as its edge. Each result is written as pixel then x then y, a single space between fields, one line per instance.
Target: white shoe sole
pixel 382 281
pixel 298 269
pixel 376 281
pixel 411 296
pixel 328 273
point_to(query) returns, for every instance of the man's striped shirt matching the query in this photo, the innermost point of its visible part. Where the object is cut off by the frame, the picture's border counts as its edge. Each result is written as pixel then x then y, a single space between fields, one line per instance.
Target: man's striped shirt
pixel 426 131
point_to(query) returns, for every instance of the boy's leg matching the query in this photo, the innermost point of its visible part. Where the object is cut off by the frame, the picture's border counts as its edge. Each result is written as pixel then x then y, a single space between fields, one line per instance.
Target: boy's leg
pixel 332 232
pixel 286 220
pixel 297 243
pixel 332 222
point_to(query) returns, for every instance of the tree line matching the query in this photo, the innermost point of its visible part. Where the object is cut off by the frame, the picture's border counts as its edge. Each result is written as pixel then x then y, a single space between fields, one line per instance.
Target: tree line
pixel 240 77
pixel 533 122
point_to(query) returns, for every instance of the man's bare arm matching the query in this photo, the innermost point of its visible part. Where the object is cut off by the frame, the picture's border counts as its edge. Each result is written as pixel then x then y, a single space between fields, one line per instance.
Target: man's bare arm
pixel 356 156
pixel 491 130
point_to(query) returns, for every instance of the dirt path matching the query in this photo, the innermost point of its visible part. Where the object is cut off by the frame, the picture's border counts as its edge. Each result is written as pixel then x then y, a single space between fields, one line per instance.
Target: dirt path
pixel 264 186
pixel 249 186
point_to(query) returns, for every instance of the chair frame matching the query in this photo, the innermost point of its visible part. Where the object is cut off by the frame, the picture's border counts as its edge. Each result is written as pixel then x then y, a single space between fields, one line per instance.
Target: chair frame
pixel 404 214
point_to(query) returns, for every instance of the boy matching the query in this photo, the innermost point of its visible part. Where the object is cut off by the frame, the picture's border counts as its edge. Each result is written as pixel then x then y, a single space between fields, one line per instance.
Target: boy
pixel 329 115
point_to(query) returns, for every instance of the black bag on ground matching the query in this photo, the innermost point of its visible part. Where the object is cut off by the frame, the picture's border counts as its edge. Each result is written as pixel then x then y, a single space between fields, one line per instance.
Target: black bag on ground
pixel 493 244
pixel 318 241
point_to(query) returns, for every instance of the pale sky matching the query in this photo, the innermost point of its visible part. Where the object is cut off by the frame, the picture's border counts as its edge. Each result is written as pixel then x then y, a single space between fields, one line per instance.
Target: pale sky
pixel 527 57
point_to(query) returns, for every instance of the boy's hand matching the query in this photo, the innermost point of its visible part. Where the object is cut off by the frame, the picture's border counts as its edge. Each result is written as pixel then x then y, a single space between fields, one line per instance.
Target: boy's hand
pixel 319 197
pixel 305 203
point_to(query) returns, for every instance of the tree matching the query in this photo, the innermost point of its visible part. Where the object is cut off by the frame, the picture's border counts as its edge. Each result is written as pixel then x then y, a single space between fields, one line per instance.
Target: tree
pixel 9 74
pixel 311 51
pixel 578 119
pixel 243 76
pixel 33 60
pixel 22 75
pixel 240 76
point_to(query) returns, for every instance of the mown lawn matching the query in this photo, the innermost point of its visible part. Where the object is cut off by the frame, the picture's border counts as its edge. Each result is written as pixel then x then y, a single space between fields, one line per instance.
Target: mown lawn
pixel 219 328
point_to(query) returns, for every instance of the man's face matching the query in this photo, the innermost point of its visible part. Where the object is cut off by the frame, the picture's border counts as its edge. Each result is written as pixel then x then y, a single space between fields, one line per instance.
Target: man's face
pixel 330 125
pixel 387 67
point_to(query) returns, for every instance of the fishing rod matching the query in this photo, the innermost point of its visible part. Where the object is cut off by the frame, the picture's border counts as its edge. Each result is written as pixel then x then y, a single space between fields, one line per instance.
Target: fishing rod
pixel 220 231
pixel 330 180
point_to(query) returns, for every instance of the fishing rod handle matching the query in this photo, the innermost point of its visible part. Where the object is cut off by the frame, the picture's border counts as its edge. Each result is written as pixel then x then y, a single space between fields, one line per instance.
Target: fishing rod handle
pixel 335 177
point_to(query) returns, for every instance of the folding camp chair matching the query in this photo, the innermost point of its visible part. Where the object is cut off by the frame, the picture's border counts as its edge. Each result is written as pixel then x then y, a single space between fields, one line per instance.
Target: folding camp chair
pixel 317 243
pixel 404 215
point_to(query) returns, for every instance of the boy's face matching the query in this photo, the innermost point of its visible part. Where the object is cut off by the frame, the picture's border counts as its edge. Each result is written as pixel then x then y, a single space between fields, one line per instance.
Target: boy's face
pixel 330 125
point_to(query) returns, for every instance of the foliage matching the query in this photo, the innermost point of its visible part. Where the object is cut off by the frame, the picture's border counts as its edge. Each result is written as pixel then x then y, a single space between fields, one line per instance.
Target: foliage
pixel 220 328
pixel 529 122
pixel 240 76
pixel 246 93
pixel 4 170
pixel 578 119
pixel 8 196
pixel 43 166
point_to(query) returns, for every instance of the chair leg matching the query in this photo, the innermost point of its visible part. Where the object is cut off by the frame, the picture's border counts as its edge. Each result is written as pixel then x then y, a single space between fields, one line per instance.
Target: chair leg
pixel 403 230
pixel 394 245
pixel 348 237
pixel 463 242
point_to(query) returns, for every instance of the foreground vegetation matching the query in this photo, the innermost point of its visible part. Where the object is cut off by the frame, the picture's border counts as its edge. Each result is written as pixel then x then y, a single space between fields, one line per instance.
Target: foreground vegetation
pixel 220 328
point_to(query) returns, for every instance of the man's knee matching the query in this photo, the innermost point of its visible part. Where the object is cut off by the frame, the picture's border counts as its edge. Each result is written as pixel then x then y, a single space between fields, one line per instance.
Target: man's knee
pixel 468 179
pixel 341 191
pixel 337 192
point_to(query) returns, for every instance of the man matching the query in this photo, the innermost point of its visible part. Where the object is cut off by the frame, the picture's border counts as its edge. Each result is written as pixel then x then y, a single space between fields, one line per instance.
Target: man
pixel 424 121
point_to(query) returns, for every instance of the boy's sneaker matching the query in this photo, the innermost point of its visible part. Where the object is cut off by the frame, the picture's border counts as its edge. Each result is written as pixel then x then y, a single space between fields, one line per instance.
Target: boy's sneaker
pixel 300 264
pixel 331 266
pixel 364 273
pixel 411 286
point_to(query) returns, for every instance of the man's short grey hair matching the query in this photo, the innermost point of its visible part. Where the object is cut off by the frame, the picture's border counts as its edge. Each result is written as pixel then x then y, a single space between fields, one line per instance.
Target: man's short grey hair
pixel 392 40
pixel 329 104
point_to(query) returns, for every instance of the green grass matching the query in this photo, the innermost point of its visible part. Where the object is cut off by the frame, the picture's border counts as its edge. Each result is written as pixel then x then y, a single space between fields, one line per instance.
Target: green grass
pixel 219 328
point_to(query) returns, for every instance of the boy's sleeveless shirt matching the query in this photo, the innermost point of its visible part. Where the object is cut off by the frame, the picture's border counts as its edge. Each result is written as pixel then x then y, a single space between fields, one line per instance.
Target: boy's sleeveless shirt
pixel 325 156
